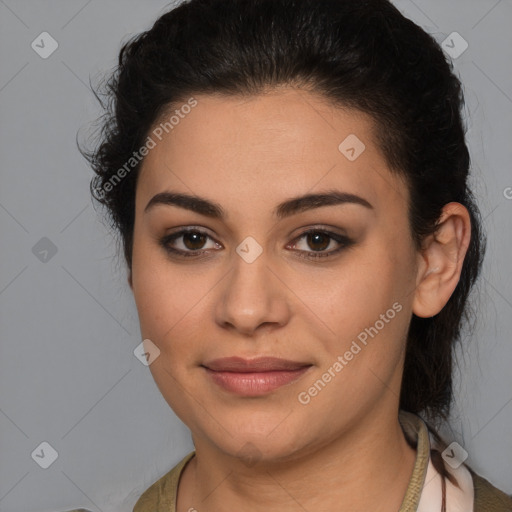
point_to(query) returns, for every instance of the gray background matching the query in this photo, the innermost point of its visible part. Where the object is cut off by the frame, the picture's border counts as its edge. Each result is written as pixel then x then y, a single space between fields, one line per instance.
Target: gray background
pixel 69 325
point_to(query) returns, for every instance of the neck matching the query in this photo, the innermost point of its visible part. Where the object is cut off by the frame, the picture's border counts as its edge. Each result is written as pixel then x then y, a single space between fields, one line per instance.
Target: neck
pixel 367 467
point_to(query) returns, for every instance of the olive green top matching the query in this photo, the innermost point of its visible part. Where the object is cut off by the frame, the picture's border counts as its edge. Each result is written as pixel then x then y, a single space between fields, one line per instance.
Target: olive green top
pixel 484 497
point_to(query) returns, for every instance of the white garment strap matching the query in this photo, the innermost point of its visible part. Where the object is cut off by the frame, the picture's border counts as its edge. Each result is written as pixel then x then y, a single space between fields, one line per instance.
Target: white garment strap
pixel 457 499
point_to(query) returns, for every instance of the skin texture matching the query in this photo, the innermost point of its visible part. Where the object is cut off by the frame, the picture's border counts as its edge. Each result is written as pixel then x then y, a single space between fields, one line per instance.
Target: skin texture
pixel 248 155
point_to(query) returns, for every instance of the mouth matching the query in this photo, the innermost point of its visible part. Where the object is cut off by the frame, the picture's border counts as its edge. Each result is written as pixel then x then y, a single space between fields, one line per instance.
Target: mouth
pixel 254 377
pixel 259 364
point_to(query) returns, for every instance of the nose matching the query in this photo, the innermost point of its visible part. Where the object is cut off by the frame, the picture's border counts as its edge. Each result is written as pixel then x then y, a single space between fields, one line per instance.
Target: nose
pixel 252 298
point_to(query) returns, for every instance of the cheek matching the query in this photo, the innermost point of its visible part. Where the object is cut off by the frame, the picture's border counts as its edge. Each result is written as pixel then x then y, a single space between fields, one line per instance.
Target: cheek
pixel 368 300
pixel 364 285
pixel 153 290
pixel 170 302
pixel 164 304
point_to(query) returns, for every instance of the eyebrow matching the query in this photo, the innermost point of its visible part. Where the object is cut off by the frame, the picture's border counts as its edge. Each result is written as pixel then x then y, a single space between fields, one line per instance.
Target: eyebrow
pixel 285 209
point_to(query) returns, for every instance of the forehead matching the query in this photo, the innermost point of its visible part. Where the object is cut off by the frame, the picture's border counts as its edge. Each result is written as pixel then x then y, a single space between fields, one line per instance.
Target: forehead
pixel 256 150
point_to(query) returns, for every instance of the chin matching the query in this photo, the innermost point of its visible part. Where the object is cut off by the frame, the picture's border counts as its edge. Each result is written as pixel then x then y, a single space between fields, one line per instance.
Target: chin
pixel 272 445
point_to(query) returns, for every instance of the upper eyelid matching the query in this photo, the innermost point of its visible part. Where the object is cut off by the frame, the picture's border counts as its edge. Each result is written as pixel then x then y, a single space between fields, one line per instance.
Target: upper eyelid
pixel 206 231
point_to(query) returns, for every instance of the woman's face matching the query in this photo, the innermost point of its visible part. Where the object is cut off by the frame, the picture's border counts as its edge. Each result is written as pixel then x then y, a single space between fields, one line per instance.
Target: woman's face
pixel 249 282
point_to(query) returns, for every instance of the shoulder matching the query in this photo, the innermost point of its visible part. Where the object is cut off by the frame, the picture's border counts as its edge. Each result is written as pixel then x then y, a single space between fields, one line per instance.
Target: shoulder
pixel 489 498
pixel 161 495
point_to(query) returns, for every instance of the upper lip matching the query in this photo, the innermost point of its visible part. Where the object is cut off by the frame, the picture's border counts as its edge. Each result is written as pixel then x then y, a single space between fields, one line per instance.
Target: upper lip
pixel 260 364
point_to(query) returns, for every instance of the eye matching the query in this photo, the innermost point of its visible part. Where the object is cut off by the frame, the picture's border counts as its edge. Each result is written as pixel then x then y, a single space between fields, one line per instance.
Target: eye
pixel 191 245
pixel 191 242
pixel 319 240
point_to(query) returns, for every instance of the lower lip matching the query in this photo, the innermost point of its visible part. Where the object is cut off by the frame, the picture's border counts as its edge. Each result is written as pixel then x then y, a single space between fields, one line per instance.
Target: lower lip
pixel 257 383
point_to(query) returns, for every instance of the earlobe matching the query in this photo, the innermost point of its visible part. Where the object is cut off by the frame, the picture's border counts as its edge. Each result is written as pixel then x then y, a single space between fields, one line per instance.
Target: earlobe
pixel 441 260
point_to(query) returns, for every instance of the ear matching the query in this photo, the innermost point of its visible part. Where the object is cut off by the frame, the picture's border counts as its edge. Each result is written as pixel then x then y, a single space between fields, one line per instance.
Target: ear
pixel 440 261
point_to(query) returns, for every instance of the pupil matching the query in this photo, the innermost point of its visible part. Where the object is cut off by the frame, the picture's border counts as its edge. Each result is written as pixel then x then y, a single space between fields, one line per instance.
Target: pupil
pixel 316 241
pixel 318 238
pixel 197 240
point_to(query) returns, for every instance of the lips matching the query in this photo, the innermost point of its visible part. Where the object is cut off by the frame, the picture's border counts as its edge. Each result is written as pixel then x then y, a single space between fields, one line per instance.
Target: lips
pixel 258 365
pixel 254 377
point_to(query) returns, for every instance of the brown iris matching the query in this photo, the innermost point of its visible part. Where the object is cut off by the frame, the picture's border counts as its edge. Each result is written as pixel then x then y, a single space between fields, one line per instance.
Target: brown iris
pixel 195 240
pixel 318 241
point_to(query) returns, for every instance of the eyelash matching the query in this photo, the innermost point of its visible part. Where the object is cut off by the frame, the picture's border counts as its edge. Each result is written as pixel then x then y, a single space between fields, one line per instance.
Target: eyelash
pixel 344 242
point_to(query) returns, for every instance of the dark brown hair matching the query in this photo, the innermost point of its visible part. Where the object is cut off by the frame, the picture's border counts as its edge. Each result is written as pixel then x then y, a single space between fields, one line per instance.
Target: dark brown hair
pixel 362 54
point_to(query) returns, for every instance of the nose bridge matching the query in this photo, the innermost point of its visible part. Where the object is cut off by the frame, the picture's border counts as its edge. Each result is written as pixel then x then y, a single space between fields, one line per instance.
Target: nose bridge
pixel 252 295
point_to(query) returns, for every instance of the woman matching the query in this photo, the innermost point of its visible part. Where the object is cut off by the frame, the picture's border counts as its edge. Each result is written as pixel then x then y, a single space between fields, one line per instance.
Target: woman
pixel 289 180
